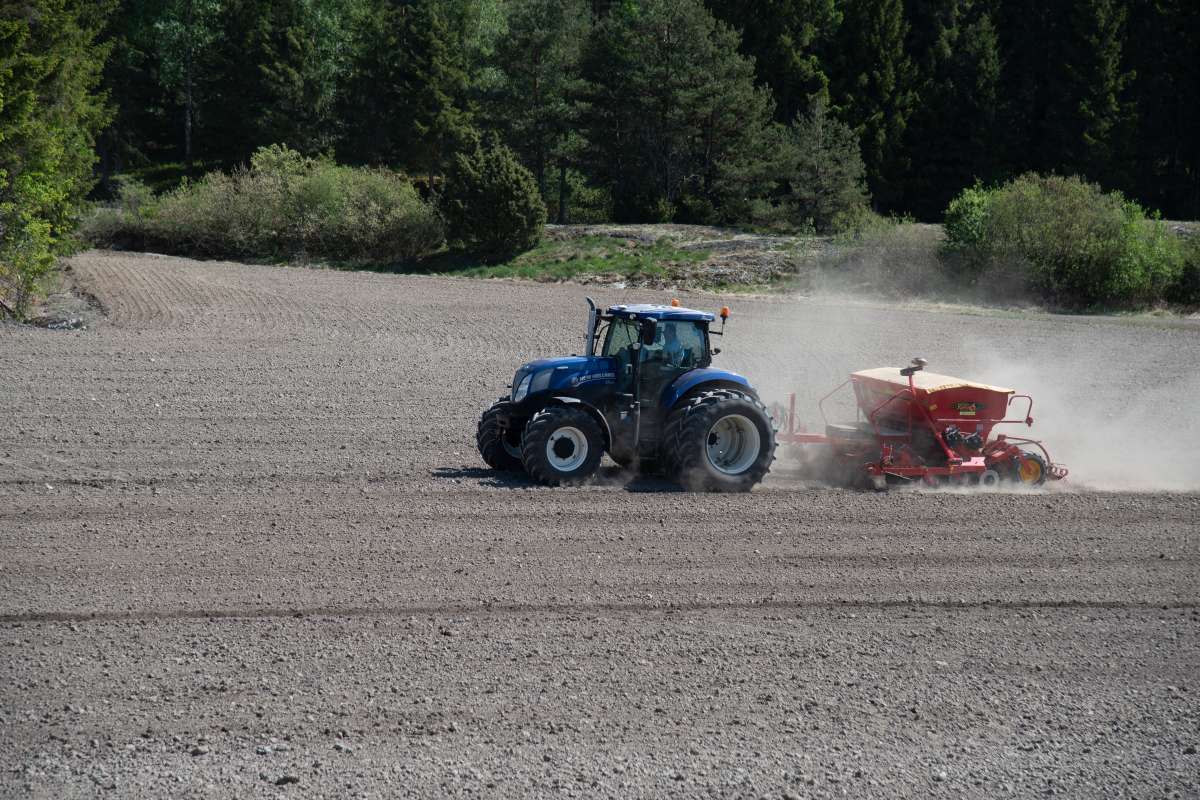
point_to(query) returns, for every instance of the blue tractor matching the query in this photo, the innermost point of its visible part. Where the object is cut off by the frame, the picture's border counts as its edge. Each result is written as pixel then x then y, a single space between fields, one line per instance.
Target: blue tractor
pixel 644 392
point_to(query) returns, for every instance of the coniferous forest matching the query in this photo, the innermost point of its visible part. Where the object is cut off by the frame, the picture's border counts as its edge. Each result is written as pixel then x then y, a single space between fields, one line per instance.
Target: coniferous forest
pixel 704 111
pixel 670 104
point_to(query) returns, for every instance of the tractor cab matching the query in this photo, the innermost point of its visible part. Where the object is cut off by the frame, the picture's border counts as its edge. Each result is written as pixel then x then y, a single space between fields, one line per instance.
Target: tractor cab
pixel 657 344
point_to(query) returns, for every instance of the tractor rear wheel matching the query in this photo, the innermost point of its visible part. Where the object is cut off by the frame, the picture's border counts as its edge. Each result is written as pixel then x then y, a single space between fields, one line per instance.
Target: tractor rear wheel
pixel 500 447
pixel 562 446
pixel 719 441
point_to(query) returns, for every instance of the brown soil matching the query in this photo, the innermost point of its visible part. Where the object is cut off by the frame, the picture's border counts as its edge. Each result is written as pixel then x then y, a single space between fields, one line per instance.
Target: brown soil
pixel 245 538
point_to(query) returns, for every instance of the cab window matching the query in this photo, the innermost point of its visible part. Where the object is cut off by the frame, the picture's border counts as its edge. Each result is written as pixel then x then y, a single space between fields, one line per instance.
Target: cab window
pixel 678 344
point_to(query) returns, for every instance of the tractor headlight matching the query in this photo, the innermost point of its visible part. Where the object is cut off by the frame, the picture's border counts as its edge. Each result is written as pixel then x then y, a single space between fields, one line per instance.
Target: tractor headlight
pixel 522 389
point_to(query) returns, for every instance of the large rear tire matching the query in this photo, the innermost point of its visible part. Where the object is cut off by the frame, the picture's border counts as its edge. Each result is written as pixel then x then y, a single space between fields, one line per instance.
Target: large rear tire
pixel 500 447
pixel 719 441
pixel 562 446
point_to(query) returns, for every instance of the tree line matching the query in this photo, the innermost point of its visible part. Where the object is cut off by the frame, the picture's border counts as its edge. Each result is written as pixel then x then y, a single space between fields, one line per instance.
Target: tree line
pixel 798 112
pixel 677 109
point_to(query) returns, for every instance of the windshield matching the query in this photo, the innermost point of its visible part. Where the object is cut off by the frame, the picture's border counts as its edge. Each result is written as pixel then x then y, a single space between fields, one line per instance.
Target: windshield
pixel 621 334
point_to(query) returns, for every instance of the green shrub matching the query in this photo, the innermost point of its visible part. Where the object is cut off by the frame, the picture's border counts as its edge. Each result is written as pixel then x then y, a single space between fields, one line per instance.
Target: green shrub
pixel 1186 289
pixel 966 218
pixel 492 205
pixel 284 205
pixel 1067 241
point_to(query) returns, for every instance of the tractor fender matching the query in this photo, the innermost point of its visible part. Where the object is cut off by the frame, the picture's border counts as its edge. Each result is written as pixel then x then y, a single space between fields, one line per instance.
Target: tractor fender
pixel 701 380
pixel 588 407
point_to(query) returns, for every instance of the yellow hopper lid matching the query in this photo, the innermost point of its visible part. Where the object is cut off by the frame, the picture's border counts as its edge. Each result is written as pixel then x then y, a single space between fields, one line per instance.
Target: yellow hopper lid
pixel 926 381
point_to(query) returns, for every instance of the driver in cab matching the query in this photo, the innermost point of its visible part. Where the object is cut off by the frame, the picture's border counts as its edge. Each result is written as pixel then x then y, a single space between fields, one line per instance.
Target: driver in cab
pixel 673 353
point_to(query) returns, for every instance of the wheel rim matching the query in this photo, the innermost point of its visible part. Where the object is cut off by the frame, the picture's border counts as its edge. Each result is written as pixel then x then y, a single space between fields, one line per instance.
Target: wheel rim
pixel 513 450
pixel 1030 470
pixel 567 449
pixel 989 479
pixel 733 444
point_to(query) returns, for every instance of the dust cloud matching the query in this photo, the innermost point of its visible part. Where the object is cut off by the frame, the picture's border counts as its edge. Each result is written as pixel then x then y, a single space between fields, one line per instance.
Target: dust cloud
pixel 1114 400
pixel 1114 430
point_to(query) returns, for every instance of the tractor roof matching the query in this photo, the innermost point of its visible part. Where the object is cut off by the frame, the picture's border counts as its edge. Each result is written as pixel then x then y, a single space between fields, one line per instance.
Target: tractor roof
pixel 647 311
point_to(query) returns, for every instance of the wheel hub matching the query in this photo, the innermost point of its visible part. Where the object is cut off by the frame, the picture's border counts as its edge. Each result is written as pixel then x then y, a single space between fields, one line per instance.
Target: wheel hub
pixel 566 449
pixel 733 444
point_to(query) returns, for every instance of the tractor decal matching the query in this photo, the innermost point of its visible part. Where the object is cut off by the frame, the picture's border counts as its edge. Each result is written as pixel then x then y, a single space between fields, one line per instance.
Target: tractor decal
pixel 593 376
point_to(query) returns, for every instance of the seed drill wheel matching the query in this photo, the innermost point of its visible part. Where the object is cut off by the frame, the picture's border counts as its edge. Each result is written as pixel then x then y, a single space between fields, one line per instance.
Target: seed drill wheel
pixel 562 446
pixel 500 448
pixel 1030 470
pixel 719 441
pixel 989 480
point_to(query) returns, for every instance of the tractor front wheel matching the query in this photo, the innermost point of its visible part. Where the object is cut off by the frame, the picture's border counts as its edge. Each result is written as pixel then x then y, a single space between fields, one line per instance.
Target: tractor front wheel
pixel 500 447
pixel 562 446
pixel 719 441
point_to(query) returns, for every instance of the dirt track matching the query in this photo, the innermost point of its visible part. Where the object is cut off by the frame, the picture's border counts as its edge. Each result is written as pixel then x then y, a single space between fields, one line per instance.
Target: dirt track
pixel 244 536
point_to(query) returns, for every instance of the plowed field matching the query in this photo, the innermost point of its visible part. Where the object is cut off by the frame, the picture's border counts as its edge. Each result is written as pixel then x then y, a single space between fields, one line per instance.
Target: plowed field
pixel 247 549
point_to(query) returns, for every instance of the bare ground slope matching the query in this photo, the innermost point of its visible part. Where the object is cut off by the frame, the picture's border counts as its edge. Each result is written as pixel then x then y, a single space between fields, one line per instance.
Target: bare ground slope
pixel 244 538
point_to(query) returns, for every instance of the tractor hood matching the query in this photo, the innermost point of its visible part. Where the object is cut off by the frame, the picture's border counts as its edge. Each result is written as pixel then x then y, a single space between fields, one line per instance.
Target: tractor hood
pixel 568 372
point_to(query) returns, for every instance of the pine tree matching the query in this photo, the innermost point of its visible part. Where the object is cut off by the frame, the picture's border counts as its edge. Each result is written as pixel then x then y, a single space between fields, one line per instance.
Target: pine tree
pixel 873 90
pixel 50 113
pixel 669 111
pixel 538 62
pixel 790 42
pixel 406 100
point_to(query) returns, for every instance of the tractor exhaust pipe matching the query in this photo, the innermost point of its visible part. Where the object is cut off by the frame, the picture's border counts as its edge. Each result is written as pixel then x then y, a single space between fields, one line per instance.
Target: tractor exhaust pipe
pixel 590 348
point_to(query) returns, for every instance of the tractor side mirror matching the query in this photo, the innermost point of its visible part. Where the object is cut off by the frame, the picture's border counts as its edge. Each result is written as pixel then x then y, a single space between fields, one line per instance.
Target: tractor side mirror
pixel 716 351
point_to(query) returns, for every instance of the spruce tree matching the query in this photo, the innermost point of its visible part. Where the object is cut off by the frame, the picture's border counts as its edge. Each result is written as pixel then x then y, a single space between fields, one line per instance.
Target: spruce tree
pixel 1094 122
pixel 50 112
pixel 406 102
pixel 952 136
pixel 873 90
pixel 294 55
pixel 143 128
pixel 824 171
pixel 672 119
pixel 790 42
pixel 1163 41
pixel 1065 87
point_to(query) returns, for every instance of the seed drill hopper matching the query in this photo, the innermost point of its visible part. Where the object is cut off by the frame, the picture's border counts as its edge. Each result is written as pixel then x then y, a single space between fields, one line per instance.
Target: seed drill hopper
pixel 914 425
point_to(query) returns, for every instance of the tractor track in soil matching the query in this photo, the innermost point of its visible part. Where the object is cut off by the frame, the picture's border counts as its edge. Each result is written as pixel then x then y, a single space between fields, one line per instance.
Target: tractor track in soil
pixel 244 536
